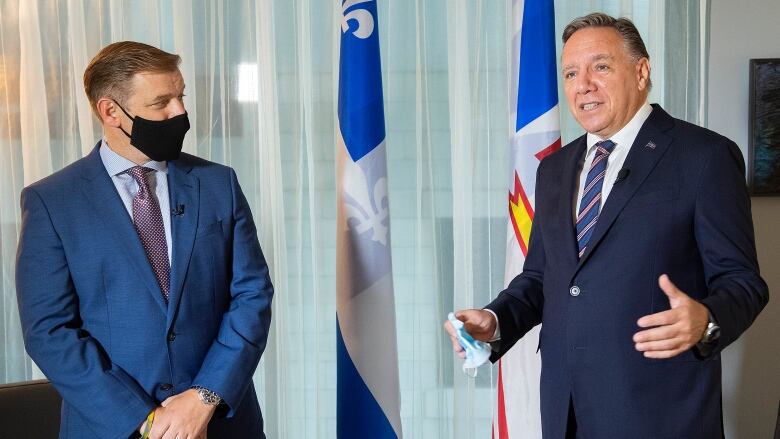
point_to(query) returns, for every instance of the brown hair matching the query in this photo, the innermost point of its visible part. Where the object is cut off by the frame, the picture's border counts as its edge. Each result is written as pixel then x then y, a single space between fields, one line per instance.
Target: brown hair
pixel 111 70
pixel 625 27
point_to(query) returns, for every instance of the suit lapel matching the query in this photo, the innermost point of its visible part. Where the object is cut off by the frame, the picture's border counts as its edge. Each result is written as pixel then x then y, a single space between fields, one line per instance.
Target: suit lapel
pixel 650 145
pixel 565 218
pixel 184 195
pixel 106 203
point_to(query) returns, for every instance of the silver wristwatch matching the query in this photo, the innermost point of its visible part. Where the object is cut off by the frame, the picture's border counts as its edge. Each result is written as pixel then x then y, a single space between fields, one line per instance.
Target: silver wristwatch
pixel 712 333
pixel 207 396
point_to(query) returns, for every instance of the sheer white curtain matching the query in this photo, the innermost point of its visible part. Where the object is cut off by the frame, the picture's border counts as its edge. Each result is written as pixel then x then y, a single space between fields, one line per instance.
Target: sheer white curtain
pixel 261 92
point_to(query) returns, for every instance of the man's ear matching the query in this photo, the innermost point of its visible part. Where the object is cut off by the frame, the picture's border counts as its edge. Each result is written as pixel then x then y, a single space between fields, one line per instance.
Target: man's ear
pixel 108 112
pixel 643 73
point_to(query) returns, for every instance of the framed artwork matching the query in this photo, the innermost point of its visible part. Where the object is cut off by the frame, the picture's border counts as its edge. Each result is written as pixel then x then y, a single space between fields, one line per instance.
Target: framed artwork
pixel 764 127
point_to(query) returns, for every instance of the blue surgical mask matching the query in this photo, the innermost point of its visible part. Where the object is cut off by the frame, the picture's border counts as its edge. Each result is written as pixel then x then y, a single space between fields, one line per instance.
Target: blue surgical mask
pixel 477 352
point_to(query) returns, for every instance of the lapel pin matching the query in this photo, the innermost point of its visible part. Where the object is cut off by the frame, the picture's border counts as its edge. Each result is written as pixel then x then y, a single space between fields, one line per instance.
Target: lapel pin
pixel 650 145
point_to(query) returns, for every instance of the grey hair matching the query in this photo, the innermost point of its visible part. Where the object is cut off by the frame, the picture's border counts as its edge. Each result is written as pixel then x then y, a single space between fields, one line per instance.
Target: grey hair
pixel 625 27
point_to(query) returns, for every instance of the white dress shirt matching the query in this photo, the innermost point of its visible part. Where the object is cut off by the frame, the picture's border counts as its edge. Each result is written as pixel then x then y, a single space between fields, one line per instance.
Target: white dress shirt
pixel 623 140
pixel 125 184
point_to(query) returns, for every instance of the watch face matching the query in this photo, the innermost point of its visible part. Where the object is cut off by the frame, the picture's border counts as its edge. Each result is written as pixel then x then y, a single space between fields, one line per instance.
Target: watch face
pixel 208 397
pixel 712 333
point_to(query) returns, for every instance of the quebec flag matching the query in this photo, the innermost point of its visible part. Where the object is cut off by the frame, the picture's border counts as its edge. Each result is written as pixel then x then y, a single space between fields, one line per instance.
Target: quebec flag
pixel 368 401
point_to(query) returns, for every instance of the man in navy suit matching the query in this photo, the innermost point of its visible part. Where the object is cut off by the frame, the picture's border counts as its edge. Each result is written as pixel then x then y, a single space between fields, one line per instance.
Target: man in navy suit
pixel 143 292
pixel 641 266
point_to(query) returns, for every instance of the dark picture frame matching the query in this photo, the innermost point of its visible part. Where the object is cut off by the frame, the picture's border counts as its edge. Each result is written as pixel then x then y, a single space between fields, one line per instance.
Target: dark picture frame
pixel 764 127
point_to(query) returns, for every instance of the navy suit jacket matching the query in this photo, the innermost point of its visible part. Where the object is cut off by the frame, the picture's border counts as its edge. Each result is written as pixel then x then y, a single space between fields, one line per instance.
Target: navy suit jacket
pixel 682 210
pixel 94 318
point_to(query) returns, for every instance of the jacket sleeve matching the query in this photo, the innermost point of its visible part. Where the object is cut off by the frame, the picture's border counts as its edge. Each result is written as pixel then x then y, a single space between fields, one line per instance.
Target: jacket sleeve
pixel 519 306
pixel 233 356
pixel 74 362
pixel 724 235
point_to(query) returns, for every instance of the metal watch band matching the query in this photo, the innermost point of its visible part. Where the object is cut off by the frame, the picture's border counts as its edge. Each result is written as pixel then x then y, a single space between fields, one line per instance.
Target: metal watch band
pixel 712 332
pixel 207 396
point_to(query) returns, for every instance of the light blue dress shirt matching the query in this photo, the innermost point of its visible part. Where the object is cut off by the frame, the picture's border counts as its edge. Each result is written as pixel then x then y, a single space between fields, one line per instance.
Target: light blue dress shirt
pixel 116 165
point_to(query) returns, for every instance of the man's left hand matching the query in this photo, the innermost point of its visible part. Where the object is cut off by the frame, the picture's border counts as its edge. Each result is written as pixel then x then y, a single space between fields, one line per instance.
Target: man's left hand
pixel 182 416
pixel 674 331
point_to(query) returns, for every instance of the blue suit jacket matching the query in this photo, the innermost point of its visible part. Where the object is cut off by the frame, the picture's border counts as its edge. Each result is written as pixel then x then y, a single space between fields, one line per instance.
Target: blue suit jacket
pixel 93 315
pixel 683 210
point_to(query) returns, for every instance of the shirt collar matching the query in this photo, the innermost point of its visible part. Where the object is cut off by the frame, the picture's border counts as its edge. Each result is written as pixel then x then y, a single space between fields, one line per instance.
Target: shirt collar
pixel 115 164
pixel 625 136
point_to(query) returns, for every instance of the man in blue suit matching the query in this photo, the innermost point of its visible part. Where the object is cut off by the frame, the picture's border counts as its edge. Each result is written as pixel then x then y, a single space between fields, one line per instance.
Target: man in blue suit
pixel 143 292
pixel 641 266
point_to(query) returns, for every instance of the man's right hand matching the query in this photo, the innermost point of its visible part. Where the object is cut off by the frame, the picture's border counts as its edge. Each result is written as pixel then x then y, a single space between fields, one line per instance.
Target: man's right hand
pixel 156 433
pixel 480 324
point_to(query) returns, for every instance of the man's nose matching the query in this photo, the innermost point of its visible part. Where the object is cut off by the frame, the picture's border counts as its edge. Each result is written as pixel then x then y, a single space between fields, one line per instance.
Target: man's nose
pixel 583 83
pixel 176 107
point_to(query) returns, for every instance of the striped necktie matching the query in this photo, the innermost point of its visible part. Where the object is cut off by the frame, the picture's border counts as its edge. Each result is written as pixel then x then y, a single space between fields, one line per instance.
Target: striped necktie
pixel 591 195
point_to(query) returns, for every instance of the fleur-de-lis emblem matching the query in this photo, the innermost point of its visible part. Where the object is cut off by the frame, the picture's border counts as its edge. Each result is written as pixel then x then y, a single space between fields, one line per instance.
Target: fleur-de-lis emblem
pixel 365 20
pixel 366 213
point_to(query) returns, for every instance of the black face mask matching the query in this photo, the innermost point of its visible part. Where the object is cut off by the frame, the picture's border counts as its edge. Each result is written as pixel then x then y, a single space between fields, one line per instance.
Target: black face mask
pixel 160 140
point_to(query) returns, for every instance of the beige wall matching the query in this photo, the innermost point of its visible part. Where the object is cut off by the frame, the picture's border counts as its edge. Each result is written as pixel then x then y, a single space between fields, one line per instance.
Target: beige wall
pixel 751 367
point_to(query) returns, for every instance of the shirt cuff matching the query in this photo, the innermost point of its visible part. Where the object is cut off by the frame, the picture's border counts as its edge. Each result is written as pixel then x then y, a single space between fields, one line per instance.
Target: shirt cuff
pixel 497 332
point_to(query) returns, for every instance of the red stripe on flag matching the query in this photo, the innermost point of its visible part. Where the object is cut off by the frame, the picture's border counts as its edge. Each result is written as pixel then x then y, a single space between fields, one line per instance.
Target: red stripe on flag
pixel 503 432
pixel 549 150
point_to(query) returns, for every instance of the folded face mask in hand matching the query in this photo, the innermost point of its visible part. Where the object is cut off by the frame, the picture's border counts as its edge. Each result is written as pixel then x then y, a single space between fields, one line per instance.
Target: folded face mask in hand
pixel 477 352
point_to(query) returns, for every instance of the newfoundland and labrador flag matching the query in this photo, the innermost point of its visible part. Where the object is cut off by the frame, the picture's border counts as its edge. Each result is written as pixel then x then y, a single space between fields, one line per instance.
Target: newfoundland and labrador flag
pixel 536 130
pixel 368 401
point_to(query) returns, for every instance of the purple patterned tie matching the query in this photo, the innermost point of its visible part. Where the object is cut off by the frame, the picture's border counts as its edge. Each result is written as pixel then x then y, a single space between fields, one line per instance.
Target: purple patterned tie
pixel 149 225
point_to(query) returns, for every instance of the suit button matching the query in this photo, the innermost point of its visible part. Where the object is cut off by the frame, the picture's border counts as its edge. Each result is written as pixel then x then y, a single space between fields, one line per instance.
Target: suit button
pixel 574 291
pixel 171 336
pixel 165 387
